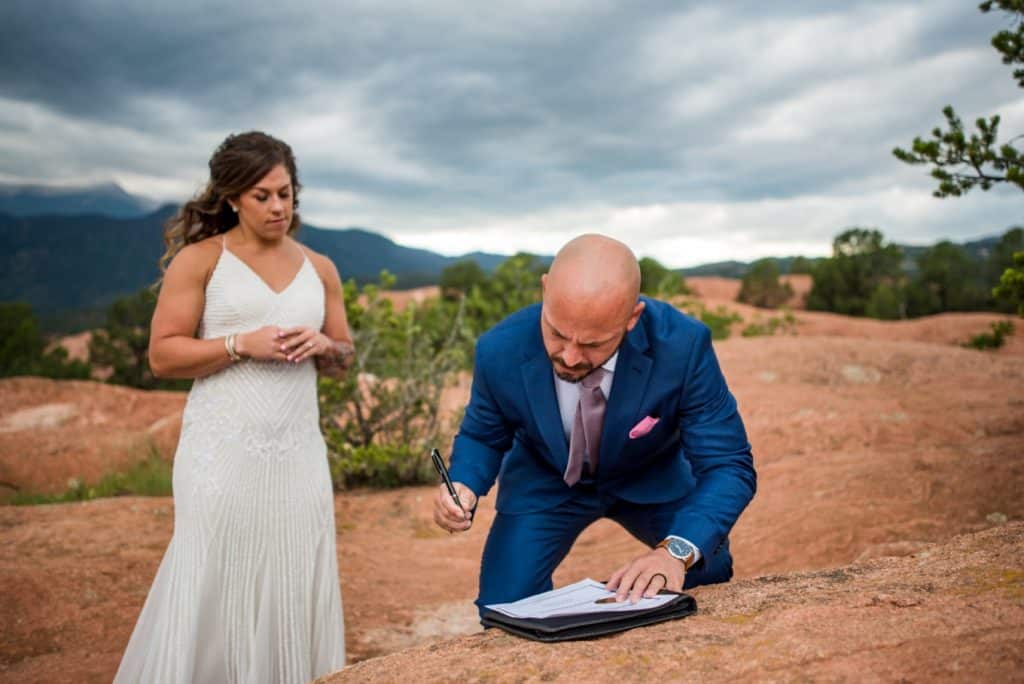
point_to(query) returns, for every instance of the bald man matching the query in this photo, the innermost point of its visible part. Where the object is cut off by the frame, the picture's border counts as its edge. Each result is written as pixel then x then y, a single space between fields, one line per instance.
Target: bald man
pixel 599 403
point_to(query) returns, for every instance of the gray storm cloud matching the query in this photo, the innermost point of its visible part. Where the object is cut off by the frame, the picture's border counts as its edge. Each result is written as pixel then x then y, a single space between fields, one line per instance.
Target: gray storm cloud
pixel 441 118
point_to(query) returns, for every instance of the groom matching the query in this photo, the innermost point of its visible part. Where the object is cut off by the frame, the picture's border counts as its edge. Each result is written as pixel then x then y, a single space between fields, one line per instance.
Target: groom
pixel 599 403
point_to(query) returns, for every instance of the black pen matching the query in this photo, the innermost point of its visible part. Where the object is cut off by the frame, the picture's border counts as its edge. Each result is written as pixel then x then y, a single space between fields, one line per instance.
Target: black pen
pixel 435 456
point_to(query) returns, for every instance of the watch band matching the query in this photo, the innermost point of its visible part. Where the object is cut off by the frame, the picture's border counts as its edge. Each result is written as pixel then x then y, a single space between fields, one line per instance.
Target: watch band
pixel 687 560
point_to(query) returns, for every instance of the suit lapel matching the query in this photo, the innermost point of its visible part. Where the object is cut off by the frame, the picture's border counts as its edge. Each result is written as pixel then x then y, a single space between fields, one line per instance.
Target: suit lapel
pixel 539 385
pixel 632 372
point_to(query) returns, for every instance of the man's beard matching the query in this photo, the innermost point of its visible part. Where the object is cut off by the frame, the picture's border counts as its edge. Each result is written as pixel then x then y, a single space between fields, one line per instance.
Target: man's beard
pixel 582 366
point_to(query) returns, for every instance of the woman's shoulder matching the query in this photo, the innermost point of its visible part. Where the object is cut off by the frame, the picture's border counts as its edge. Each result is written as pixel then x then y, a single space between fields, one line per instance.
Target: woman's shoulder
pixel 325 268
pixel 198 258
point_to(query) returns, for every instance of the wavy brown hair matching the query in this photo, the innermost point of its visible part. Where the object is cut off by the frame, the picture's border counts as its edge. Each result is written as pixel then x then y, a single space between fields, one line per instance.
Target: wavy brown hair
pixel 236 165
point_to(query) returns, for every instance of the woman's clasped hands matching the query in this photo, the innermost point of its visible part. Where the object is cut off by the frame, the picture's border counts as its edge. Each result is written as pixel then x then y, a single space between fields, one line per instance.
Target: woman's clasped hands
pixel 273 343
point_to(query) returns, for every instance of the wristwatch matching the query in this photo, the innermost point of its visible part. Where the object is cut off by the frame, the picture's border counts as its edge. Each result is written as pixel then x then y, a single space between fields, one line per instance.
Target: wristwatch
pixel 679 549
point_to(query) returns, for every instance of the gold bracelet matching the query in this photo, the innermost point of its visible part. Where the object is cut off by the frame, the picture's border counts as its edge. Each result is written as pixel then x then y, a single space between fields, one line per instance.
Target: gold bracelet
pixel 229 345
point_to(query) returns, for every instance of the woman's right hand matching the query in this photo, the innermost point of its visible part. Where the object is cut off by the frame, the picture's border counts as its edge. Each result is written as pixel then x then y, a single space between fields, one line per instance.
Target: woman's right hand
pixel 261 345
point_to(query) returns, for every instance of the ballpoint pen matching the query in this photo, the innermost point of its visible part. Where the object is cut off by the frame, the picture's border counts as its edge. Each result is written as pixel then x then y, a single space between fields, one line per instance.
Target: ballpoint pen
pixel 435 456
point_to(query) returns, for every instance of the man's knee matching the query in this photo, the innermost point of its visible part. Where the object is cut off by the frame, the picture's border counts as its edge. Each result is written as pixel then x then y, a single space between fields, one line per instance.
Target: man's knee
pixel 517 562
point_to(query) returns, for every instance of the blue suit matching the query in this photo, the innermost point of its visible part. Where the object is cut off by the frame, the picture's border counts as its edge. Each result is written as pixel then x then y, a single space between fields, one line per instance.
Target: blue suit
pixel 691 475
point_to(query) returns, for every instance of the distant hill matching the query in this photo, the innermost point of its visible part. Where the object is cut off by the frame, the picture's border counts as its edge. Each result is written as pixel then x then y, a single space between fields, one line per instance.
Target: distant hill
pixel 979 250
pixel 108 199
pixel 722 269
pixel 69 268
pixel 737 269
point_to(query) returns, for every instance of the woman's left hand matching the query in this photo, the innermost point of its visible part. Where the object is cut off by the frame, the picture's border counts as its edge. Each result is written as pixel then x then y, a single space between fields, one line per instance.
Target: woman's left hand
pixel 301 343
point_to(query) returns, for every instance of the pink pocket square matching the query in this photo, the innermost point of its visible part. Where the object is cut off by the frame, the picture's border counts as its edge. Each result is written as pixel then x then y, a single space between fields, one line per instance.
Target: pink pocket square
pixel 643 427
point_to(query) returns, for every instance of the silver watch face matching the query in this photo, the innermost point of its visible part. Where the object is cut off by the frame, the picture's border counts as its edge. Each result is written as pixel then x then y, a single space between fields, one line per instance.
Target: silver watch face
pixel 680 549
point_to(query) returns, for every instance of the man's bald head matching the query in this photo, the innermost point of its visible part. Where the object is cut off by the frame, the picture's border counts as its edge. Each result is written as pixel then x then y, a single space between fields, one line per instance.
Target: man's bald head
pixel 590 302
pixel 595 270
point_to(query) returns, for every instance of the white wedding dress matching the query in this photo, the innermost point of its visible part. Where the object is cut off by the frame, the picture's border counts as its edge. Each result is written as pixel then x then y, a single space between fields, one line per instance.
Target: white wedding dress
pixel 248 589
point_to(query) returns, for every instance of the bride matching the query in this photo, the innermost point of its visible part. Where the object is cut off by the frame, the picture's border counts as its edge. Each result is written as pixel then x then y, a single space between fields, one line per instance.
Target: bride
pixel 248 589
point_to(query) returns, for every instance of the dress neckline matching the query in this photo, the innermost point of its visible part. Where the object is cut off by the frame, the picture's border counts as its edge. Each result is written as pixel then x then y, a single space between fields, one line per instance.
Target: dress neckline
pixel 250 269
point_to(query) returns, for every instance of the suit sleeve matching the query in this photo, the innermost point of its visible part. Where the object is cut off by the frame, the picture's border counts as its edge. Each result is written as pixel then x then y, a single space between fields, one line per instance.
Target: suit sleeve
pixel 484 436
pixel 715 443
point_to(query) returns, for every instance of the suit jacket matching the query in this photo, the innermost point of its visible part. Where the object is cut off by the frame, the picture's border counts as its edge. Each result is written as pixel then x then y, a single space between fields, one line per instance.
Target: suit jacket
pixel 512 429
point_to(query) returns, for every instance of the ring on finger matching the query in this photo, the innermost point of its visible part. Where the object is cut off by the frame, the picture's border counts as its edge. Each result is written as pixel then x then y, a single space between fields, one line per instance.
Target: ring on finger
pixel 663 579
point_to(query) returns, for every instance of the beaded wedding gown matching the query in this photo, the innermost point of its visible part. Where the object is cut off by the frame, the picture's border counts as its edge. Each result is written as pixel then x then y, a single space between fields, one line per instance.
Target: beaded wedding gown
pixel 248 588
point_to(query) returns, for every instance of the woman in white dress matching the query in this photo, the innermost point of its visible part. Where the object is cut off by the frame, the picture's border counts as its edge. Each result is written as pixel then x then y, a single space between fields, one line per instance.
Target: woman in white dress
pixel 248 589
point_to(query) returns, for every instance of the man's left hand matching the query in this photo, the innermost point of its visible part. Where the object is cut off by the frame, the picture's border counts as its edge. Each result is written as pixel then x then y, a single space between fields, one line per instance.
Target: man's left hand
pixel 645 576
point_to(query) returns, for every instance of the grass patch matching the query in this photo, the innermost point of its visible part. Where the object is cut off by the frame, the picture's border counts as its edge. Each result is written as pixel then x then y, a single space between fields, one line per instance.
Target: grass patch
pixel 151 477
pixel 785 324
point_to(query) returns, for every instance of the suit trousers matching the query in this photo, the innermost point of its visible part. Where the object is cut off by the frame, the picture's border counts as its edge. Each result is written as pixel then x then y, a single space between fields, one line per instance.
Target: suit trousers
pixel 523 550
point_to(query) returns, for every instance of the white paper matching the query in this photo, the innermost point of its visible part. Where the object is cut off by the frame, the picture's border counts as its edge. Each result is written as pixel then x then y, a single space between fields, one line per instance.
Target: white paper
pixel 575 599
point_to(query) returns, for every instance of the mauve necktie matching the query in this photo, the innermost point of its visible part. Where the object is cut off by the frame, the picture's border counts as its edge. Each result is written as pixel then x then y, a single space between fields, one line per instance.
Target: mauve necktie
pixel 585 441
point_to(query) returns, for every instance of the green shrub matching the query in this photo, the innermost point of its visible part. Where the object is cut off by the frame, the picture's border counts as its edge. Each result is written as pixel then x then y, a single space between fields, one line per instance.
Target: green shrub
pixel 23 347
pixel 720 320
pixel 381 420
pixel 380 465
pixel 1011 285
pixel 122 344
pixel 991 340
pixel 659 281
pixel 761 286
pixel 844 282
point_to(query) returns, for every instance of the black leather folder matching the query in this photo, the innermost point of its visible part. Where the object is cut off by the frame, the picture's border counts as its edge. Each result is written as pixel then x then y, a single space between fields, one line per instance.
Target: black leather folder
pixel 589 625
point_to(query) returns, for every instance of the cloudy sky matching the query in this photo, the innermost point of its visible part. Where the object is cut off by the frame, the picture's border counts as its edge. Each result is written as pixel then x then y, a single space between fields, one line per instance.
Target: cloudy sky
pixel 695 132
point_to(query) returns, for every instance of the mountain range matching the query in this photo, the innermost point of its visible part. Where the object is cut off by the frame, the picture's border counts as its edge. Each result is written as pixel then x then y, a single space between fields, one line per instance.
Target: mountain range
pixel 68 267
pixel 108 199
pixel 70 252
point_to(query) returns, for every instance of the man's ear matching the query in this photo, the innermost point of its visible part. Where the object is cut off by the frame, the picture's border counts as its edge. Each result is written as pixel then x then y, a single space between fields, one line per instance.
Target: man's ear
pixel 635 316
pixel 543 283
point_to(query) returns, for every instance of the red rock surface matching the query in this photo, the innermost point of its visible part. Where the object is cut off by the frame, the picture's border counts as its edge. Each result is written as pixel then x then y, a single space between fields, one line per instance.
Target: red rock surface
pixel 866 449
pixel 52 431
pixel 935 616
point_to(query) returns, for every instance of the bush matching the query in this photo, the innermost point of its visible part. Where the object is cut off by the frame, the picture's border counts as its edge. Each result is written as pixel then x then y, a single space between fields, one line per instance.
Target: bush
pixel 887 303
pixel 123 344
pixel 993 340
pixel 381 420
pixel 719 321
pixel 375 465
pixel 23 348
pixel 860 261
pixel 1011 285
pixel 761 286
pixel 514 284
pixel 460 277
pixel 657 280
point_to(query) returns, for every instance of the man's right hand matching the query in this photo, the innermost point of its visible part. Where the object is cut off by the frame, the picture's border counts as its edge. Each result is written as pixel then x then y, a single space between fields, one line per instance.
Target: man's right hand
pixel 447 513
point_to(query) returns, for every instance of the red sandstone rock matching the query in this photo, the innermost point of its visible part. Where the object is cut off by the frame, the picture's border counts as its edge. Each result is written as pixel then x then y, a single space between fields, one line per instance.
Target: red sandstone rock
pixel 937 615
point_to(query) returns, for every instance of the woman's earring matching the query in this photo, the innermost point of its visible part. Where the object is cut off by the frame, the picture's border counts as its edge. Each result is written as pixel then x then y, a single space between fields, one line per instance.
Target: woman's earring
pixel 234 208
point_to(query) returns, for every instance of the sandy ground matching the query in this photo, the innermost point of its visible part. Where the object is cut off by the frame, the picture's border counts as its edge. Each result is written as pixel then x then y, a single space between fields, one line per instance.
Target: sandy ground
pixel 871 440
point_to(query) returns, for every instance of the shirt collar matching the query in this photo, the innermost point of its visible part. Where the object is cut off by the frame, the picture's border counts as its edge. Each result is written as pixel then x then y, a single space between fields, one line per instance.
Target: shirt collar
pixel 609 365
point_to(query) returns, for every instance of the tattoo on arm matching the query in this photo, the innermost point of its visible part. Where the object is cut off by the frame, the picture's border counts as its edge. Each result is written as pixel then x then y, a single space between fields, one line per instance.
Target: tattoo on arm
pixel 337 359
